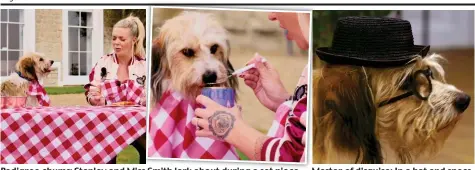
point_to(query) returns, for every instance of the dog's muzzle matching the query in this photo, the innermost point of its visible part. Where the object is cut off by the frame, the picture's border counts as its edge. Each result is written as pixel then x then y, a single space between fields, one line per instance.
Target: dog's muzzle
pixel 461 102
pixel 209 77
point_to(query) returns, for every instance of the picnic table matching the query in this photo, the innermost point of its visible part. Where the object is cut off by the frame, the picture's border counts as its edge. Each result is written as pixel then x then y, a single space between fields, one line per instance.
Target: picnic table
pixel 69 135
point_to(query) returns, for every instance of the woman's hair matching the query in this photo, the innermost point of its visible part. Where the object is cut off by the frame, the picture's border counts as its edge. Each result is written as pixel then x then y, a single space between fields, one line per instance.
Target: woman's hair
pixel 137 29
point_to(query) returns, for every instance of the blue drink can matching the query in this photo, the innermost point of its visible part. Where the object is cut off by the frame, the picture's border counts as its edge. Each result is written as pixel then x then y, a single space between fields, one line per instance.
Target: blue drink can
pixel 222 95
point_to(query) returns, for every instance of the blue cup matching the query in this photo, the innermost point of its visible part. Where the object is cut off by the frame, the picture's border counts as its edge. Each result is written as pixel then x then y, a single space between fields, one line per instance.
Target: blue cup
pixel 224 96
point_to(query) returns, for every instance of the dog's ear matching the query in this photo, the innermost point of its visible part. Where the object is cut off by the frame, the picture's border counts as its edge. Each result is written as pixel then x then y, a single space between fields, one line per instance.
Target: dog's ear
pixel 27 67
pixel 228 43
pixel 160 69
pixel 344 94
pixel 233 81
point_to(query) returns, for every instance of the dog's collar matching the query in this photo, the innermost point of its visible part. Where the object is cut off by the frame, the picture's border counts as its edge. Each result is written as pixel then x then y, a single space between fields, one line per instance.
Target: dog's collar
pixel 19 74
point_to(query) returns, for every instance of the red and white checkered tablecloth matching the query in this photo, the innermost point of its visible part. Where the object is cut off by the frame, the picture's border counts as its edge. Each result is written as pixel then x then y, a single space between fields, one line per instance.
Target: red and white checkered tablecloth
pixel 171 134
pixel 67 135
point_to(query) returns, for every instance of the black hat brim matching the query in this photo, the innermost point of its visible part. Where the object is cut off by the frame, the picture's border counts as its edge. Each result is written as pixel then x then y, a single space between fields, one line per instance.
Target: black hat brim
pixel 325 54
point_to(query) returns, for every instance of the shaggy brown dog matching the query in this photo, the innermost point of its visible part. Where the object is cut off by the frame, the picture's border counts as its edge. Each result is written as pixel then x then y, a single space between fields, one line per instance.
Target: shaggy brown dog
pixel 191 51
pixel 30 67
pixel 357 118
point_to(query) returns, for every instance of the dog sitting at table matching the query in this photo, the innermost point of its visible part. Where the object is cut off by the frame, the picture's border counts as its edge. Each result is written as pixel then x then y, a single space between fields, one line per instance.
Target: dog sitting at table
pixel 191 51
pixel 30 70
pixel 379 98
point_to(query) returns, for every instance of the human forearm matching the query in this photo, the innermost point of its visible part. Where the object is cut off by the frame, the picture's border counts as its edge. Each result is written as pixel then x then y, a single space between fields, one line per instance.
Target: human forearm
pixel 247 139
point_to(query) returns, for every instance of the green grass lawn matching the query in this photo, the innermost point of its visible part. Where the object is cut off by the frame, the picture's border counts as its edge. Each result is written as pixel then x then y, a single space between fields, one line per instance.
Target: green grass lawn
pixel 65 90
pixel 128 156
pixel 242 156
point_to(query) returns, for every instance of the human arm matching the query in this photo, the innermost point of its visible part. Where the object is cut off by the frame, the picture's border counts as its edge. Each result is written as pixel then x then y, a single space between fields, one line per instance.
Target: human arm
pixel 93 94
pixel 265 81
pixel 226 124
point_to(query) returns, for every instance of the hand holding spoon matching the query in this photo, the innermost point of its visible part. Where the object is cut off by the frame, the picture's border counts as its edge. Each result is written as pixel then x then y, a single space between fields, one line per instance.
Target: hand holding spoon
pixel 239 71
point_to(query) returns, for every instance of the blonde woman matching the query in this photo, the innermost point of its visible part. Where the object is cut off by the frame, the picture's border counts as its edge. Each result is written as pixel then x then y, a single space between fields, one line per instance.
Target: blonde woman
pixel 127 62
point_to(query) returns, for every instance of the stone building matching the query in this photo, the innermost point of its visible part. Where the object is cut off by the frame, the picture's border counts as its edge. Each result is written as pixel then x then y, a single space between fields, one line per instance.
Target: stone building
pixel 74 39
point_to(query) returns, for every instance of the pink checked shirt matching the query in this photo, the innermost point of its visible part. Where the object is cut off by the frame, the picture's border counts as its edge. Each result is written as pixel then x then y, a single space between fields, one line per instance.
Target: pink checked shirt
pixel 137 69
pixel 37 95
pixel 173 136
pixel 288 130
pixel 36 89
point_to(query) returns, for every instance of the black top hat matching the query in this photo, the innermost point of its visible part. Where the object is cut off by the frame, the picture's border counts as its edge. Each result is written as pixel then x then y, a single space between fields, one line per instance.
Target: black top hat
pixel 372 42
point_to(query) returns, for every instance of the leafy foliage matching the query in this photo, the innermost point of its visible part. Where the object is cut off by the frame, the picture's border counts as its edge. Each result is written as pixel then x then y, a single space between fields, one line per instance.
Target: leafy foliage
pixel 112 16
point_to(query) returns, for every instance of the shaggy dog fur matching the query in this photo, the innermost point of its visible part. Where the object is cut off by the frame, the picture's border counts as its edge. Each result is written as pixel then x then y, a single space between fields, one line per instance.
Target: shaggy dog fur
pixel 191 50
pixel 32 67
pixel 349 127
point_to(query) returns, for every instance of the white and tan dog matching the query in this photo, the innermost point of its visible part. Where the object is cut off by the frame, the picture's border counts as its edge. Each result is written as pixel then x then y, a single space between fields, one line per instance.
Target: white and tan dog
pixel 358 118
pixel 30 67
pixel 191 50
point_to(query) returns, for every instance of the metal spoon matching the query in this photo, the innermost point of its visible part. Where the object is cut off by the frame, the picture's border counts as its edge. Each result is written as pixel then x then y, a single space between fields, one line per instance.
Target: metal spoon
pixel 238 72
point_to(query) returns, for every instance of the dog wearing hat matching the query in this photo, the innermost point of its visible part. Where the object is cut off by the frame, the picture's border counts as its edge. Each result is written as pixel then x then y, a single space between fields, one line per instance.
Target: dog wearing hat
pixel 379 98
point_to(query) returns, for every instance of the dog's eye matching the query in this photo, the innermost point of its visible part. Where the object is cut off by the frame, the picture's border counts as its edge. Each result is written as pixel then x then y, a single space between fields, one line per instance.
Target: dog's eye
pixel 188 52
pixel 429 73
pixel 41 59
pixel 214 48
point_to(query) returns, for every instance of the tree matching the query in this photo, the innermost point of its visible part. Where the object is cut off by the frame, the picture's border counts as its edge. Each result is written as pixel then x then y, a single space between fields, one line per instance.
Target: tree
pixel 112 16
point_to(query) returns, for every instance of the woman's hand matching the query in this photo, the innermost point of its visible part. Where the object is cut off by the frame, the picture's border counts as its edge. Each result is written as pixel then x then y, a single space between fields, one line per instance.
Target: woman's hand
pixel 143 99
pixel 265 81
pixel 95 97
pixel 226 124
pixel 215 121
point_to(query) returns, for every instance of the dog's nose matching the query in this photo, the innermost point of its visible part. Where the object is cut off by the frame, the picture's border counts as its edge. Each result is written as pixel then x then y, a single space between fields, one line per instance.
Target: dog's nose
pixel 209 77
pixel 52 62
pixel 461 102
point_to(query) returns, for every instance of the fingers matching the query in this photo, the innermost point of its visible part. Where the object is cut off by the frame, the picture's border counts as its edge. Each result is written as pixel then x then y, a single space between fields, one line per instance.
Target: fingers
pixel 204 133
pixel 95 87
pixel 252 71
pixel 250 77
pixel 199 112
pixel 207 102
pixel 143 101
pixel 102 101
pixel 261 67
pixel 251 84
pixel 95 99
pixel 202 123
